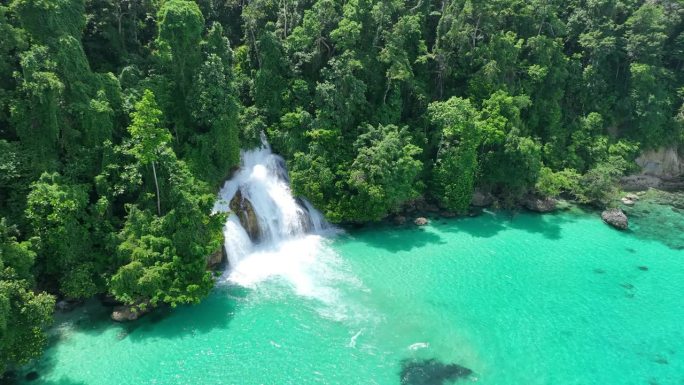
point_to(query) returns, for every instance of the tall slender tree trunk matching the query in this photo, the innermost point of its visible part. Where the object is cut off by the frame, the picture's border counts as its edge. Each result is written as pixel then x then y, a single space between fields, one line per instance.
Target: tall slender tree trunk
pixel 156 185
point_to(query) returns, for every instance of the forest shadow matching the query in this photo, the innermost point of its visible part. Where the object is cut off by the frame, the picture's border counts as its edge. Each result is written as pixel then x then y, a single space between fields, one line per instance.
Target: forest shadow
pixel 550 226
pixel 399 238
pixel 33 372
pixel 486 225
pixel 214 312
pixel 491 223
pixel 39 381
pixel 92 318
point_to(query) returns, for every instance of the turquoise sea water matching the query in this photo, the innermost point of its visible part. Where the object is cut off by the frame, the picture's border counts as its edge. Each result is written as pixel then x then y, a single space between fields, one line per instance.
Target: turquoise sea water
pixel 523 300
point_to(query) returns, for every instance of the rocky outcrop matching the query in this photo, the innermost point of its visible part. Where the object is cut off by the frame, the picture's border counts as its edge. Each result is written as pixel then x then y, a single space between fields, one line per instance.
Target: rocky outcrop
pixel 616 218
pixel 664 162
pixel 66 306
pixel 539 204
pixel 399 220
pixel 421 221
pixel 640 182
pixel 129 313
pixel 245 211
pixel 481 199
pixel 660 169
pixel 216 259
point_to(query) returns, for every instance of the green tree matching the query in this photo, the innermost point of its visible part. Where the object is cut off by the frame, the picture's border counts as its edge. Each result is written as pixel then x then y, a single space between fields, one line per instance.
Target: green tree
pixel 214 147
pixel 57 213
pixel 456 165
pixel 383 174
pixel 148 138
pixel 165 257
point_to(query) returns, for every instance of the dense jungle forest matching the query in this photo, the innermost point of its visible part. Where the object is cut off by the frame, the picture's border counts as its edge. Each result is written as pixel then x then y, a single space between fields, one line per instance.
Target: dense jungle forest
pixel 121 119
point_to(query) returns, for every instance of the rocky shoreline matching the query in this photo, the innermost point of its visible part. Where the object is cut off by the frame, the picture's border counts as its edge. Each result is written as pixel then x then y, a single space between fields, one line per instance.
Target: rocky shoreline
pixel 420 211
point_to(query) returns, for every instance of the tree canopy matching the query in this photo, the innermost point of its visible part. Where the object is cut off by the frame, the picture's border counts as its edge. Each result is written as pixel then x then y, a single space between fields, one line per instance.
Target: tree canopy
pixel 120 119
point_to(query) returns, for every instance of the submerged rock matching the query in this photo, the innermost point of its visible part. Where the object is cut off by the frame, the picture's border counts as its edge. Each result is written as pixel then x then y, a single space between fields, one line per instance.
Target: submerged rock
pixel 615 218
pixel 421 221
pixel 539 204
pixel 32 376
pixel 431 372
pixel 245 211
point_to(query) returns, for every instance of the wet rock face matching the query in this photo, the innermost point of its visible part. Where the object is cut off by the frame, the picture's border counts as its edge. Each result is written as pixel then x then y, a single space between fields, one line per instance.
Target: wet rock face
pixel 217 258
pixel 305 219
pixel 431 372
pixel 663 162
pixel 615 218
pixel 399 220
pixel 538 204
pixel 245 211
pixel 481 199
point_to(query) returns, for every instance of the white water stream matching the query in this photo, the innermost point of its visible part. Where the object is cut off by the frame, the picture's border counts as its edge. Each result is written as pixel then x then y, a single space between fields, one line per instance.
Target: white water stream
pixel 288 240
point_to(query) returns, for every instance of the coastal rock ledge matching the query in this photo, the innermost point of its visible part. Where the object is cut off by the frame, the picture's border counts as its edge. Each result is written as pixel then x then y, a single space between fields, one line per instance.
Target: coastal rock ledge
pixel 615 218
pixel 128 313
pixel 539 204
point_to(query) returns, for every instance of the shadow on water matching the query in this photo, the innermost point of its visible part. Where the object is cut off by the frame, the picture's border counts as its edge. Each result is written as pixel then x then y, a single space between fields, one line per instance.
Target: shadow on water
pixel 491 223
pixel 164 322
pixel 401 238
pixel 214 312
pixel 34 377
pixel 486 225
pixel 548 225
pixel 33 373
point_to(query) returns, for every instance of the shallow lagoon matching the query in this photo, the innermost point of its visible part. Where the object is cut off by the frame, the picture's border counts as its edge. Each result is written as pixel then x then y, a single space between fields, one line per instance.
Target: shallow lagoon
pixel 524 299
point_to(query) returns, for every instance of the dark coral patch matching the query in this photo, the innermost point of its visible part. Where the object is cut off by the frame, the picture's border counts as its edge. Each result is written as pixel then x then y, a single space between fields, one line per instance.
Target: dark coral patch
pixel 431 372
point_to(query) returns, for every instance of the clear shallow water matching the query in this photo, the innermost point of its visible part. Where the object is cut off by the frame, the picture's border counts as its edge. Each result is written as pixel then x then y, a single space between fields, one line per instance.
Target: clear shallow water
pixel 556 299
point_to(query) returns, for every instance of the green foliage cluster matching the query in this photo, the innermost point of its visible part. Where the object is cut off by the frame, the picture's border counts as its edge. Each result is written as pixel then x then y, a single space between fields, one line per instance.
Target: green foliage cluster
pixel 496 94
pixel 120 118
pixel 118 121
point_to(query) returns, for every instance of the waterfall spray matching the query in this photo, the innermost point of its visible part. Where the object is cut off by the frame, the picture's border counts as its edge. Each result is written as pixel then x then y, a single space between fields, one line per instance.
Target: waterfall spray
pixel 268 231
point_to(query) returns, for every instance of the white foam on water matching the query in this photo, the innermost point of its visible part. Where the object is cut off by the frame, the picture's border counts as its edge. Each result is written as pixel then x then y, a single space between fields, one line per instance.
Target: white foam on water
pixel 293 245
pixel 419 345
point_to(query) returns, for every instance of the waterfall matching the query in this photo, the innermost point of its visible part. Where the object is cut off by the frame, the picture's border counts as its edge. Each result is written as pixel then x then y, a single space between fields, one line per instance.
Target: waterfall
pixel 268 231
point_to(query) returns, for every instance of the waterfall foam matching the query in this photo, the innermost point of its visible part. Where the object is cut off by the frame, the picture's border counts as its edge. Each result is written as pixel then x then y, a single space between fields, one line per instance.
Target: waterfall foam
pixel 285 238
pixel 290 228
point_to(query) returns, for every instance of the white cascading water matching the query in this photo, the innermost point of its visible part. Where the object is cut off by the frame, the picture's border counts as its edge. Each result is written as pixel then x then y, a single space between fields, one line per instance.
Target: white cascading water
pixel 292 244
pixel 289 228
